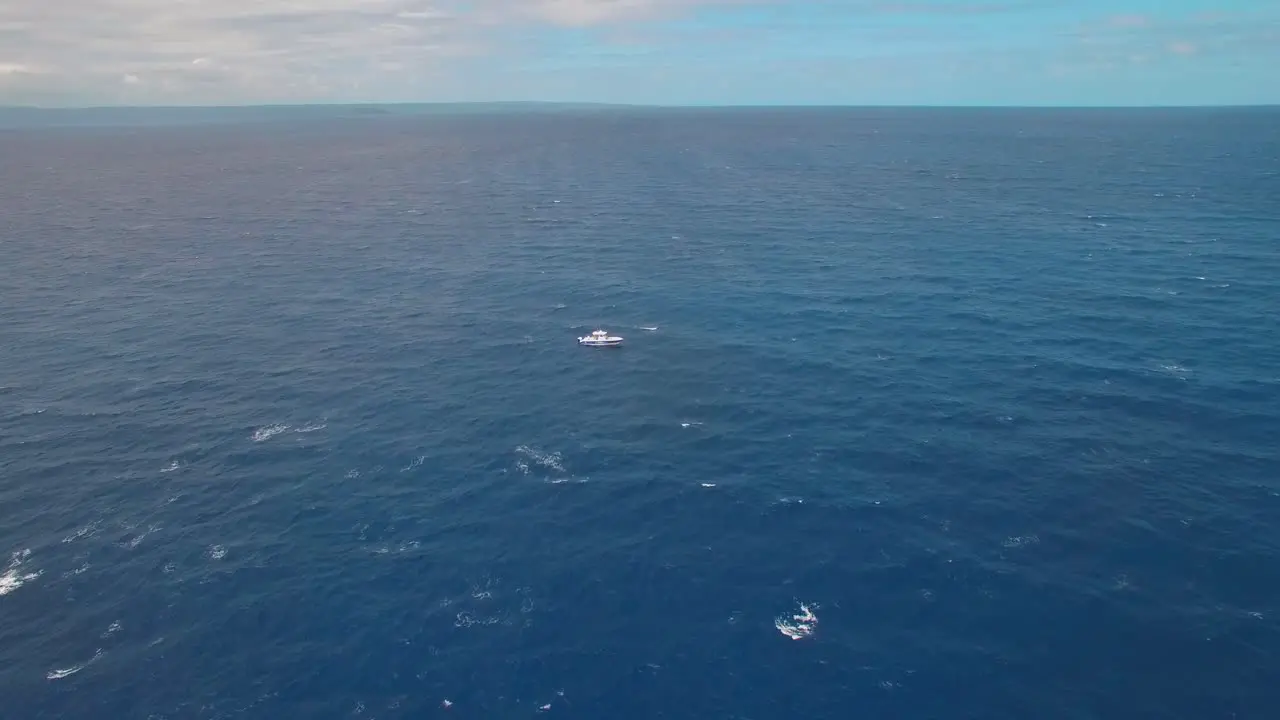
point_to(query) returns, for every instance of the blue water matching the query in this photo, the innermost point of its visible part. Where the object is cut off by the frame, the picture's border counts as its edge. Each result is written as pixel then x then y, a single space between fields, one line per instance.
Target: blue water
pixel 293 423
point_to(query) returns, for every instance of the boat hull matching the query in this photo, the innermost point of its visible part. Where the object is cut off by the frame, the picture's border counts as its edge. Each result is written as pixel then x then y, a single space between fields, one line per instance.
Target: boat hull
pixel 593 342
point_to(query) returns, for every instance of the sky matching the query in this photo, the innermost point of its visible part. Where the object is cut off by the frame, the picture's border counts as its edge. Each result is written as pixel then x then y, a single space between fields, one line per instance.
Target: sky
pixel 674 52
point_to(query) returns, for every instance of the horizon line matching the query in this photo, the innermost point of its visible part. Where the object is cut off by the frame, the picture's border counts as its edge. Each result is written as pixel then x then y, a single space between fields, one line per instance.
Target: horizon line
pixel 656 106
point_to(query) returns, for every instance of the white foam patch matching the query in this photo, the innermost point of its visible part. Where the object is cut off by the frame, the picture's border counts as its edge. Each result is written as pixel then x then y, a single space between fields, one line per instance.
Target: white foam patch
pixel 13 577
pixel 263 434
pixel 217 552
pixel 175 465
pixel 410 546
pixel 466 620
pixel 68 672
pixel 315 427
pixel 84 532
pixel 798 625
pixel 482 592
pixel 1018 541
pixel 65 672
pixel 487 603
pixel 547 460
pixel 136 540
pixel 552 462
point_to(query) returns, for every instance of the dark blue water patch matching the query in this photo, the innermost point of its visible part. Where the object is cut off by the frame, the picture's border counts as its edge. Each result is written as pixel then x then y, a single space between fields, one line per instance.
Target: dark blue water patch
pixel 293 421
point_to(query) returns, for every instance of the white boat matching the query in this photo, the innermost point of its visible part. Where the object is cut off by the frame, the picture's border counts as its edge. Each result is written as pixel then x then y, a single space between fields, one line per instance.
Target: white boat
pixel 600 338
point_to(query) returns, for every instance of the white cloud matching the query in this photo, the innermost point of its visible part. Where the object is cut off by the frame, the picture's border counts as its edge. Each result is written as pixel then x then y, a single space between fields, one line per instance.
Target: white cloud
pixel 581 13
pixel 55 52
pixel 77 52
pixel 206 51
pixel 595 12
pixel 14 68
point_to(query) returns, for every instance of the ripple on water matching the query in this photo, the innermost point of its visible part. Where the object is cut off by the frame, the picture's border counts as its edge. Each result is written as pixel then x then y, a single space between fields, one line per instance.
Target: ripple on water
pixel 946 372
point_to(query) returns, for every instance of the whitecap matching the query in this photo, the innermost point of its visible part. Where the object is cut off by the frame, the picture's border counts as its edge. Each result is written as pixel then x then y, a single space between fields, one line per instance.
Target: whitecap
pixel 547 460
pixel 466 619
pixel 484 591
pixel 798 625
pixel 86 531
pixel 136 540
pixel 61 673
pixel 552 461
pixel 1018 541
pixel 65 672
pixel 263 434
pixel 13 578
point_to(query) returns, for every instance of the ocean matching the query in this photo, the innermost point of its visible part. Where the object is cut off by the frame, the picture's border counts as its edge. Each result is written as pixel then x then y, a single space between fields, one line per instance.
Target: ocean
pixel 921 413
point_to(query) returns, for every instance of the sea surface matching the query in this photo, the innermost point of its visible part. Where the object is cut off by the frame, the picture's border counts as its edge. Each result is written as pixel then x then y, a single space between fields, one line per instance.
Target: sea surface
pixel 920 414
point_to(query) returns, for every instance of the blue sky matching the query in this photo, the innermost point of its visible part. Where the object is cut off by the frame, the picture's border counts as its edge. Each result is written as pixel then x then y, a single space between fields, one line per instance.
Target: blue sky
pixel 717 52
